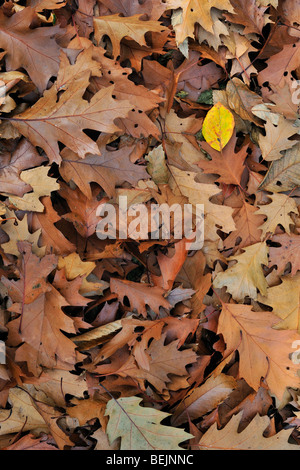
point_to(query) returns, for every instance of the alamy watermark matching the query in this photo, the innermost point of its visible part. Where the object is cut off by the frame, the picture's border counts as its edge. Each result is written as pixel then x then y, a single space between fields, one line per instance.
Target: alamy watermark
pixel 152 222
pixel 296 93
pixel 2 92
pixel 2 352
pixel 296 354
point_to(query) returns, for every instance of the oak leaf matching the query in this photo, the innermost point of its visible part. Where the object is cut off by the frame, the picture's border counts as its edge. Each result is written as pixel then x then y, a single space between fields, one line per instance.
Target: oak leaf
pixel 195 11
pixel 280 64
pixel 83 17
pixel 165 360
pixel 28 48
pixel 12 163
pixel 284 174
pixel 140 428
pixel 51 382
pixel 51 237
pixel 246 275
pixel 179 132
pixel 82 210
pixel 111 168
pixel 249 14
pixel 143 100
pixel 242 100
pixel 117 27
pixel 153 9
pixel 69 71
pixel 70 289
pixel 32 273
pixel 251 438
pixel 18 231
pixel 283 97
pixel 51 416
pixel 245 399
pixel 23 415
pixel 204 399
pixel 170 266
pixel 75 267
pixel 140 295
pixel 227 163
pixel 264 351
pixel 41 325
pixel 135 53
pixel 201 193
pixel 131 330
pixel 278 213
pixel 30 442
pixel 285 253
pixel 285 301
pixel 276 139
pixel 64 118
pixel 248 227
pixel 86 410
pixel 192 275
pixel 41 184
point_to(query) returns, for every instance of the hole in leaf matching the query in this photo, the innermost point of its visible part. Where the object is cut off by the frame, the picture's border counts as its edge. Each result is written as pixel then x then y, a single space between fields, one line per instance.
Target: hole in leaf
pixel 139 329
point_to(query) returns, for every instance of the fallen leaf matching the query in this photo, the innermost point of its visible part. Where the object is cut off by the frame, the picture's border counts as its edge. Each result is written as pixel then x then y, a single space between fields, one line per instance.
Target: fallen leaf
pixel 23 416
pixel 63 118
pixel 28 48
pixel 204 399
pixel 41 184
pixel 246 275
pixel 285 302
pixel 140 295
pixel 117 27
pixel 195 12
pixel 264 352
pixel 140 428
pixel 218 127
pixel 276 139
pixel 284 174
pixel 13 163
pixel 250 439
pixel 289 245
pixel 278 213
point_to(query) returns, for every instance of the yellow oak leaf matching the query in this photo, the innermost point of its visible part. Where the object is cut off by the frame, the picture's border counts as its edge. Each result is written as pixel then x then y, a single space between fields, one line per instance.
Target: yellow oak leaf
pixel 74 267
